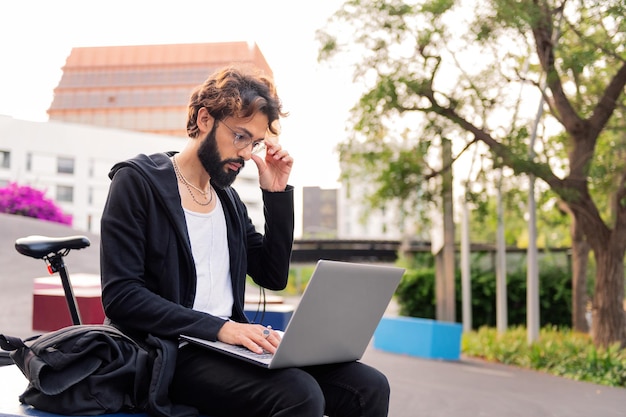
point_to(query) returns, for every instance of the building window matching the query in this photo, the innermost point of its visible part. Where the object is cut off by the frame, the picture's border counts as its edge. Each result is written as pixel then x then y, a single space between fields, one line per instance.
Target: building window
pixel 65 165
pixel 29 162
pixel 65 193
pixel 5 159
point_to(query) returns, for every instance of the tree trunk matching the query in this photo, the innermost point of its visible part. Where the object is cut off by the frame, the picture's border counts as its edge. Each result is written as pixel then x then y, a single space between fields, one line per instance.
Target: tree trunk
pixel 609 246
pixel 446 295
pixel 580 261
pixel 608 325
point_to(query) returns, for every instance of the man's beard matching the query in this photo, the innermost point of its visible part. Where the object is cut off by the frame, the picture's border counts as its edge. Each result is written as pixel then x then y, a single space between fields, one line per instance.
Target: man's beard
pixel 213 164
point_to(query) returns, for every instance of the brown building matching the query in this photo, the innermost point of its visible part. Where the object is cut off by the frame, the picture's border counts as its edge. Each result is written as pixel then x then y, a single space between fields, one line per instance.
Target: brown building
pixel 142 87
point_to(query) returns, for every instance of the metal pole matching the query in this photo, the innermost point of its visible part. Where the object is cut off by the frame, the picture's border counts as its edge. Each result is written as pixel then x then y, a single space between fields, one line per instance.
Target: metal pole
pixel 532 277
pixel 57 264
pixel 466 284
pixel 448 235
pixel 532 269
pixel 502 321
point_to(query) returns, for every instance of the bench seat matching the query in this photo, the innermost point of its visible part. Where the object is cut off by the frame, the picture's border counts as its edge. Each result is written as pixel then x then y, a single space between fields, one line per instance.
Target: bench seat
pixel 13 383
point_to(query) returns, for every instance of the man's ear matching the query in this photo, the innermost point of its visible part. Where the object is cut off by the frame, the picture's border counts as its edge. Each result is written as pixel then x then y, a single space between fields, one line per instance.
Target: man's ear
pixel 205 120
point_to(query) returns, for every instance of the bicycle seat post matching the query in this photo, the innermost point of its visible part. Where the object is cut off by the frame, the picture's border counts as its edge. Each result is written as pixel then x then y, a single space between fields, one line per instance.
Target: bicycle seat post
pixel 58 265
pixel 52 250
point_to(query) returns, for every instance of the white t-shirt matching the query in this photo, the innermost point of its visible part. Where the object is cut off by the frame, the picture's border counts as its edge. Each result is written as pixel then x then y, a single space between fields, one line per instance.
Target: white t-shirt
pixel 209 246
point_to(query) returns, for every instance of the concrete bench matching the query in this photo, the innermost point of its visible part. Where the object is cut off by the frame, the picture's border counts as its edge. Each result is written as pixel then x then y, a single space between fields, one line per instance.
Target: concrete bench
pixel 414 336
pixel 275 315
pixel 50 310
pixel 13 383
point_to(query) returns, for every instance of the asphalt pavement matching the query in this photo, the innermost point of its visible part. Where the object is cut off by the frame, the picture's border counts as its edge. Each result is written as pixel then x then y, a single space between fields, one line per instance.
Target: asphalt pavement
pixel 420 387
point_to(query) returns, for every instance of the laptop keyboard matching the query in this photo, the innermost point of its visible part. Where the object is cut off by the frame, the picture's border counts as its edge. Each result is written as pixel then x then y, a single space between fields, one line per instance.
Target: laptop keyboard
pixel 248 352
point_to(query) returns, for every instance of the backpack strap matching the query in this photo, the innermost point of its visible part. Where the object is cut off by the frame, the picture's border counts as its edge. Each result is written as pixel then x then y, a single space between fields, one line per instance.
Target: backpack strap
pixel 11 343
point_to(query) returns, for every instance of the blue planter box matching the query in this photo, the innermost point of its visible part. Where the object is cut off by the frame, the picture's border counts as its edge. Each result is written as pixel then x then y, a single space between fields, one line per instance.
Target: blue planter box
pixel 419 337
pixel 276 315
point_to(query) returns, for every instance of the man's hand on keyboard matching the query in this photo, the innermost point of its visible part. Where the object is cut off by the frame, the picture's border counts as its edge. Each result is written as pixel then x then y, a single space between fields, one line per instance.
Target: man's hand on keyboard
pixel 255 337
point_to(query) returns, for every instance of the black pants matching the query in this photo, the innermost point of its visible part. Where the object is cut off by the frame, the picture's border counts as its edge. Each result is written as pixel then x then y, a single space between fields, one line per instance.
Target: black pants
pixel 218 385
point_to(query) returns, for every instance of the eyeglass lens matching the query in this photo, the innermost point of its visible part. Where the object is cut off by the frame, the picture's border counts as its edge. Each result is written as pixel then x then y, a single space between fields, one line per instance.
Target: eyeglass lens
pixel 258 147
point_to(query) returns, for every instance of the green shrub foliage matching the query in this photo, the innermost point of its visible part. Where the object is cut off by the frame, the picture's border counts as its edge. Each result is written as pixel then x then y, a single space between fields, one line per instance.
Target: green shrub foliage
pixel 416 295
pixel 558 351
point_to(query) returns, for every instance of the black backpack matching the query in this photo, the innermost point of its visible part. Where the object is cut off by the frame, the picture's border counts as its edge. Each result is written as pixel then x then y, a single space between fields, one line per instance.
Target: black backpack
pixel 95 369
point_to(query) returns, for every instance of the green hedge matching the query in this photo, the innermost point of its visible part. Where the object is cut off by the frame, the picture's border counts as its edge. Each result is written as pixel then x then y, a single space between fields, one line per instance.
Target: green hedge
pixel 416 295
pixel 558 351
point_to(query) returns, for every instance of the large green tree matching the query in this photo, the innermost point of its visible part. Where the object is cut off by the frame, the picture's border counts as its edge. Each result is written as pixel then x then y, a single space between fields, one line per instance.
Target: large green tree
pixel 447 69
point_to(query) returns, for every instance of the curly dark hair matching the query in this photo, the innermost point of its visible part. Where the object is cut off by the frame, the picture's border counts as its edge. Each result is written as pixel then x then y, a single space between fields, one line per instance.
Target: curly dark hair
pixel 235 91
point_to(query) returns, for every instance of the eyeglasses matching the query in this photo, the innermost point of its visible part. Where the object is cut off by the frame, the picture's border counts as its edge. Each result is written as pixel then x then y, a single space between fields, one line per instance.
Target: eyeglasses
pixel 242 141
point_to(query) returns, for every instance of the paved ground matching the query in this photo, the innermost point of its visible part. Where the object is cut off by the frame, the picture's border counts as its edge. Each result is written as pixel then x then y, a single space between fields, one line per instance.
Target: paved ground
pixel 420 387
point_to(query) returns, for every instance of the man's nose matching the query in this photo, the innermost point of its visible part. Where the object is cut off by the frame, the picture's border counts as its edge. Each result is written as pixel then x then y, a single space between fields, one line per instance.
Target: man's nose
pixel 246 153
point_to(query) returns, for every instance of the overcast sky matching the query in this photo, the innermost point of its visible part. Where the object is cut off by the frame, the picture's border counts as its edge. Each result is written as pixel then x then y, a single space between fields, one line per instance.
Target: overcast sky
pixel 37 36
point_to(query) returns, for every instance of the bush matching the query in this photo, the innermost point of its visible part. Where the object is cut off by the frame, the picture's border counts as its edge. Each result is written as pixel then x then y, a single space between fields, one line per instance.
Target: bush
pixel 30 202
pixel 416 295
pixel 558 351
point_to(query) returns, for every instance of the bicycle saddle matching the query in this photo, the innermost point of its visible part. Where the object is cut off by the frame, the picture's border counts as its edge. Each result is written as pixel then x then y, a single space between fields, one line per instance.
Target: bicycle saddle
pixel 39 247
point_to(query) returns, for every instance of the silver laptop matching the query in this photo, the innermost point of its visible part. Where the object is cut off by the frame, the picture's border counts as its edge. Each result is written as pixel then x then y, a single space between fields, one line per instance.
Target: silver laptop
pixel 334 320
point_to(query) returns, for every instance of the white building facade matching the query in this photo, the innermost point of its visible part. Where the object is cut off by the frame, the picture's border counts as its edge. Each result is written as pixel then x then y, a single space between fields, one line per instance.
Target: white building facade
pixel 355 221
pixel 71 163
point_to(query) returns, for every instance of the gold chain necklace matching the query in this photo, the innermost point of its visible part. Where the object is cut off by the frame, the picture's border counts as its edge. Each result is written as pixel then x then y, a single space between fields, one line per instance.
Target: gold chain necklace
pixel 189 186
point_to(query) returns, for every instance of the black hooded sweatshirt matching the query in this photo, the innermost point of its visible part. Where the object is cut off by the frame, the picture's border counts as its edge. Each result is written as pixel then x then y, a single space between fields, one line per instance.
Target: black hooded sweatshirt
pixel 148 272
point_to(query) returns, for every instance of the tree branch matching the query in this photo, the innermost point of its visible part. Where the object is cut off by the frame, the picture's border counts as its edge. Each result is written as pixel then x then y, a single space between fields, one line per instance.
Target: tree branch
pixel 608 102
pixel 544 42
pixel 448 166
